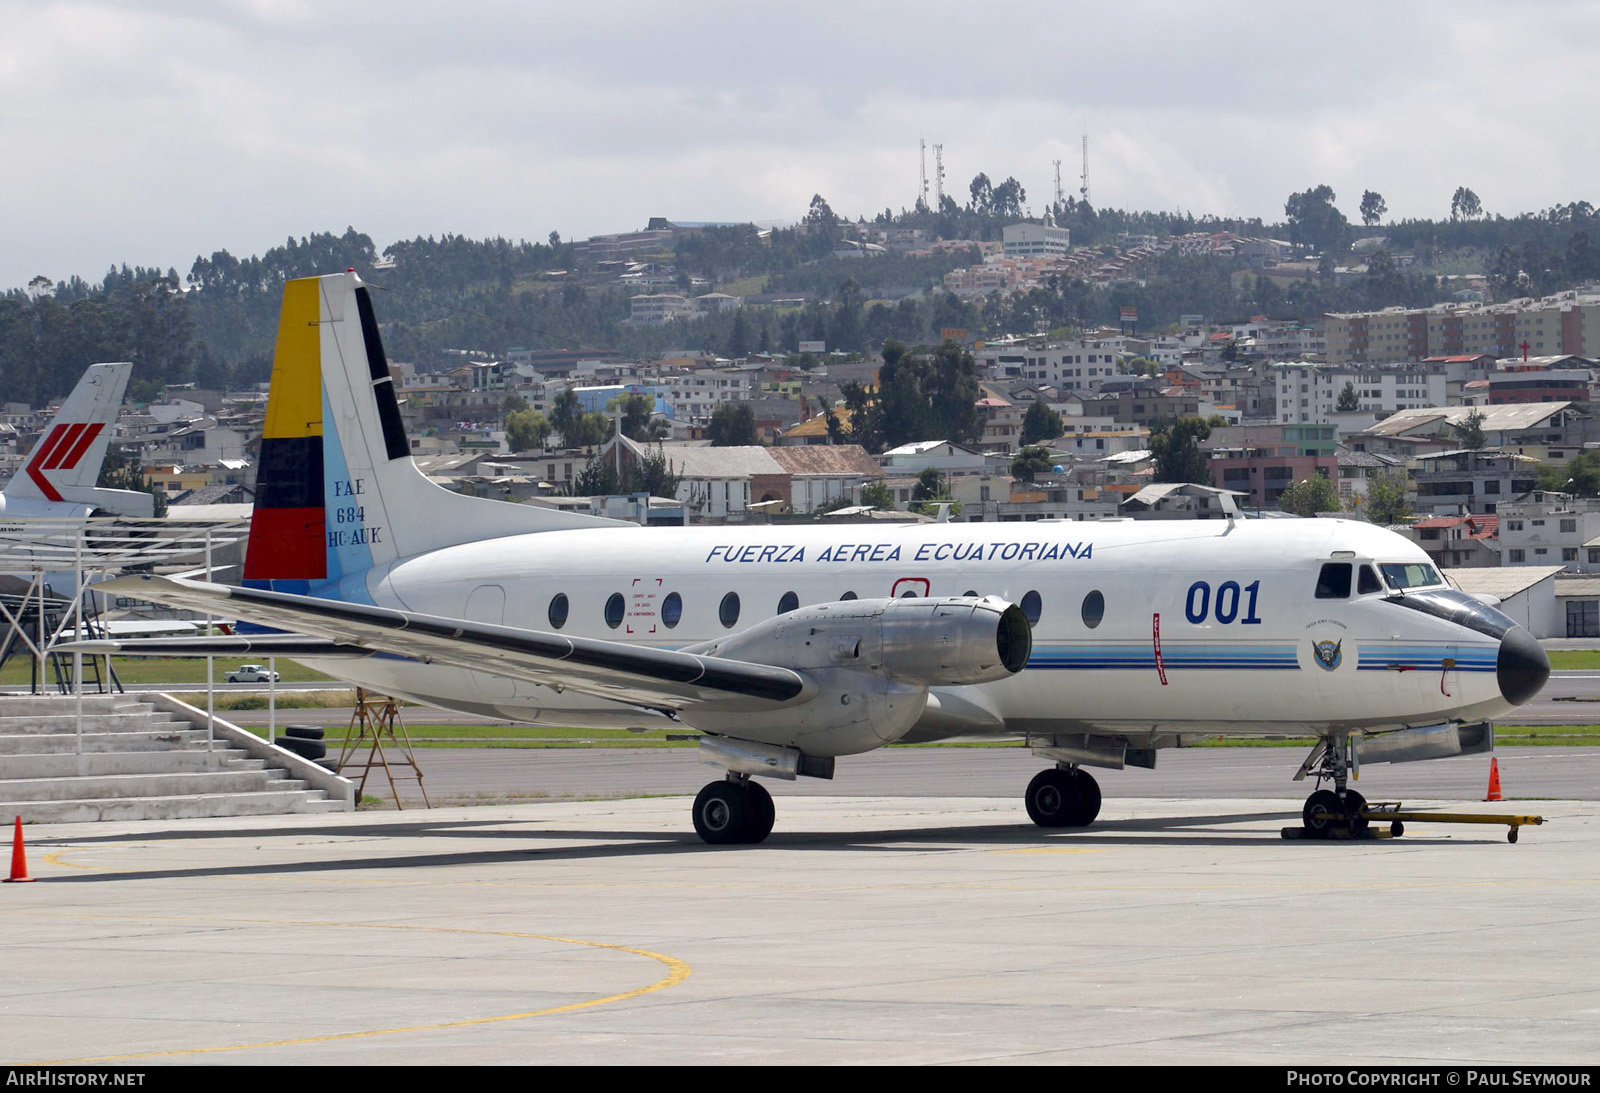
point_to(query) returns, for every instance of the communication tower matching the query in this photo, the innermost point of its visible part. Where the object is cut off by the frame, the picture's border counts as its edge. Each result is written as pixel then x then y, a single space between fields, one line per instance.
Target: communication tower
pixel 938 175
pixel 1058 183
pixel 922 188
pixel 1083 189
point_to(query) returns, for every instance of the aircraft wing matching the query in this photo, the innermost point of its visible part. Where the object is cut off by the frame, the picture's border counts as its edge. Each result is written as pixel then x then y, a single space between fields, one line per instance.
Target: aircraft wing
pixel 654 678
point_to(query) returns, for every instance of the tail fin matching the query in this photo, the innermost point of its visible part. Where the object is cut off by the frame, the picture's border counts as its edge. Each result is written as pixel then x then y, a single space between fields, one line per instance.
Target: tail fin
pixel 337 492
pixel 65 464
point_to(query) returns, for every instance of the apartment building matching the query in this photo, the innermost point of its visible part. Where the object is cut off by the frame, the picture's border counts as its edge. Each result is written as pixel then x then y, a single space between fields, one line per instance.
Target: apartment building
pixel 1309 393
pixel 1568 322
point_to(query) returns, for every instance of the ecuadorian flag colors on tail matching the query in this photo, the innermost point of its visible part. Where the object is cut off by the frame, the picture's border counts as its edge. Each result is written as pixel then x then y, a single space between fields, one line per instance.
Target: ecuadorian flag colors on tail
pixel 287 550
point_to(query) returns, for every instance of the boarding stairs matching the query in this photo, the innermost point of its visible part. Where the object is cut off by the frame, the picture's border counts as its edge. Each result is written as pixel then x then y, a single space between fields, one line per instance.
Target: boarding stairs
pixel 138 762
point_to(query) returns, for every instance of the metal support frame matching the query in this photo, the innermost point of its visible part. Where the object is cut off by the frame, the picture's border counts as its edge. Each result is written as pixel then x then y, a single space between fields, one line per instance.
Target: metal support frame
pixel 374 718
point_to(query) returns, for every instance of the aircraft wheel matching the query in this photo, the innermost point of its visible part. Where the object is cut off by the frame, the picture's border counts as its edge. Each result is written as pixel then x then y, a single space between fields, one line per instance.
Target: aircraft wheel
pixel 1088 798
pixel 719 813
pixel 1321 813
pixel 1354 806
pixel 1063 798
pixel 759 812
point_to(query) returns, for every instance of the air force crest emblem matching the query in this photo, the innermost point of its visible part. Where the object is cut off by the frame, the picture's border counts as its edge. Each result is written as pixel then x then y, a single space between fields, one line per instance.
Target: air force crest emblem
pixel 1328 653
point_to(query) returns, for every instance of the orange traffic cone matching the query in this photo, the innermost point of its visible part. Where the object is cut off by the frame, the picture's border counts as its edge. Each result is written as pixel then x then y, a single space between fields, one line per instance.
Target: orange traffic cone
pixel 1494 781
pixel 19 857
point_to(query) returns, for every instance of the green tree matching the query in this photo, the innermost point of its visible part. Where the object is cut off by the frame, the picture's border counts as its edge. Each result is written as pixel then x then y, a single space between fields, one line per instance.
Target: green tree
pixel 638 422
pixel 1464 205
pixel 878 495
pixel 1175 448
pixel 1040 423
pixel 732 424
pixel 1469 431
pixel 526 430
pixel 1372 207
pixel 1310 496
pixel 1579 477
pixel 1348 399
pixel 1314 222
pixel 1386 498
pixel 1030 463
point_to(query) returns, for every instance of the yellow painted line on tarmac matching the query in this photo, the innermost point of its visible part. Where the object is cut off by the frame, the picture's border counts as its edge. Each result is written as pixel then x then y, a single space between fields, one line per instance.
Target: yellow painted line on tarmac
pixel 677 972
pixel 54 858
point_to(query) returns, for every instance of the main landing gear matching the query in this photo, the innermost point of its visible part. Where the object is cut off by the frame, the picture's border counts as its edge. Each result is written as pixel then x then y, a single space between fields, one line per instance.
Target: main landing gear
pixel 737 809
pixel 1337 813
pixel 1064 796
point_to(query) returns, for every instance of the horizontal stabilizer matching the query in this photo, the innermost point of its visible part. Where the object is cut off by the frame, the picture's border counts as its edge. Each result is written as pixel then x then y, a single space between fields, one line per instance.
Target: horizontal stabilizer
pixel 653 678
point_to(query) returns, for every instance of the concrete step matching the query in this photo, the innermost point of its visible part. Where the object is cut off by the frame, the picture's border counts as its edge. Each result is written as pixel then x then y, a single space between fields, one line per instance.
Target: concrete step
pixel 100 722
pixel 99 764
pixel 143 785
pixel 47 705
pixel 177 738
pixel 87 810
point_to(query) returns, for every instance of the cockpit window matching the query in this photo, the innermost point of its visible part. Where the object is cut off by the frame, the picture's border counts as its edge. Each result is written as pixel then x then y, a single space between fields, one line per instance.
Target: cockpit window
pixel 1368 581
pixel 1333 583
pixel 1403 575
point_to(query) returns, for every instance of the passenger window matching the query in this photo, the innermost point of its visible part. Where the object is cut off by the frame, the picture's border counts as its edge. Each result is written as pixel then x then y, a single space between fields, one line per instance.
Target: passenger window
pixel 728 612
pixel 614 610
pixel 1334 581
pixel 790 602
pixel 1369 581
pixel 672 610
pixel 558 611
pixel 1031 607
pixel 1094 609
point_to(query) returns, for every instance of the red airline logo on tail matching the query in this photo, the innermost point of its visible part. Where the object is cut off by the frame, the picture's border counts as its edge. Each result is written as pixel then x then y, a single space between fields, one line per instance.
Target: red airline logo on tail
pixel 61 449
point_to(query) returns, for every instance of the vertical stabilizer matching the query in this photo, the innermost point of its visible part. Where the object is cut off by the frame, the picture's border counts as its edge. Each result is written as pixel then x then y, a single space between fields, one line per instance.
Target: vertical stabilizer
pixel 65 465
pixel 337 492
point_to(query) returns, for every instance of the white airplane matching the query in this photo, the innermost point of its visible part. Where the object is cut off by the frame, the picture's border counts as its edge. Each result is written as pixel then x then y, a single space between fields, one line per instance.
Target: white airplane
pixel 787 647
pixel 58 480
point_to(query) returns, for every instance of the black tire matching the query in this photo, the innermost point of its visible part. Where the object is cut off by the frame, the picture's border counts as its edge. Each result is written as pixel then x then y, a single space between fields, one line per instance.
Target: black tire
pixel 1321 813
pixel 1088 798
pixel 304 732
pixel 1354 806
pixel 1062 798
pixel 1396 829
pixel 305 749
pixel 760 814
pixel 719 813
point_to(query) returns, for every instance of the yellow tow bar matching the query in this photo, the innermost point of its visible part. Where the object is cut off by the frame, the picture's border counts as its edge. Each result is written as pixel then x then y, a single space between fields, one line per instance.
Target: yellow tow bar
pixel 1391 812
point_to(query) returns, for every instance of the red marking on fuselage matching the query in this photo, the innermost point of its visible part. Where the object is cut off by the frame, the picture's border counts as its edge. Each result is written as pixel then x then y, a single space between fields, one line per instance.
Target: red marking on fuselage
pixel 1155 637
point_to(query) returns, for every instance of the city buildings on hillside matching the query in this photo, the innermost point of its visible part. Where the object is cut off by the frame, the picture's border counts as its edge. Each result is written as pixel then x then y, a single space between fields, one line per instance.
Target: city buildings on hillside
pixel 1568 322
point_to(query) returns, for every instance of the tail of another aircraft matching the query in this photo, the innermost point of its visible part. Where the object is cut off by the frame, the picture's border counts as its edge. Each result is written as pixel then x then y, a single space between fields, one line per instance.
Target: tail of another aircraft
pixel 65 465
pixel 337 492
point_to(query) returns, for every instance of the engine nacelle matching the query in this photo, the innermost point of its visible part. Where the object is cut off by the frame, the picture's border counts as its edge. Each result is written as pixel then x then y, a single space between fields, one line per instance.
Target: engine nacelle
pixel 948 642
pixel 870 664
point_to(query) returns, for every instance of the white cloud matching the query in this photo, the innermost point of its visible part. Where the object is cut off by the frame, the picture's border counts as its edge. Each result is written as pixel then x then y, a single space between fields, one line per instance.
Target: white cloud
pixel 150 136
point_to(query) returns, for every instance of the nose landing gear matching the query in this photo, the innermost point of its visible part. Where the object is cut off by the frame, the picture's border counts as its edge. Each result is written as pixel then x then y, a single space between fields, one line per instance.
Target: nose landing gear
pixel 1338 813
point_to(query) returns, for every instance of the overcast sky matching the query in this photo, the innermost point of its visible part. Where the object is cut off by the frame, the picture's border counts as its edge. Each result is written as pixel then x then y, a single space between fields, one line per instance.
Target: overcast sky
pixel 150 133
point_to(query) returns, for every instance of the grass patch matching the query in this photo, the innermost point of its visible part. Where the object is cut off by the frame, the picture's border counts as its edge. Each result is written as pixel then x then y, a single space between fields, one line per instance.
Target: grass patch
pixel 294 700
pixel 1574 658
pixel 146 670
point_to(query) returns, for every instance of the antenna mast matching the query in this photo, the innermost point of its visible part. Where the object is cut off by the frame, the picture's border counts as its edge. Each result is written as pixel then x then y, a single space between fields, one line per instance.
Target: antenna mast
pixel 1083 190
pixel 1058 183
pixel 938 173
pixel 922 189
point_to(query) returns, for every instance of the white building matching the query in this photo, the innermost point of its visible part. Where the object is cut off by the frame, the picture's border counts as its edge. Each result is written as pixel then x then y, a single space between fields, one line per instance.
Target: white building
pixel 1042 240
pixel 1309 393
pixel 659 308
pixel 1079 365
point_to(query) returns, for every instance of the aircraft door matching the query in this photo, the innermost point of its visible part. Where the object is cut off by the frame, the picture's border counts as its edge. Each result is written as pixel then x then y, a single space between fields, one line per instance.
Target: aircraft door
pixel 487 604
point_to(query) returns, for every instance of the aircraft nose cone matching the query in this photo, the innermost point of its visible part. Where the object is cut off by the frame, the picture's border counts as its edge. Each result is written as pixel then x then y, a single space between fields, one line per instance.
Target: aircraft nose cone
pixel 1522 667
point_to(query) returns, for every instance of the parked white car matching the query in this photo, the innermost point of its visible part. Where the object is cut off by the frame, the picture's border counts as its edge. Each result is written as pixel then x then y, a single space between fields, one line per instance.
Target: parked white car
pixel 252 673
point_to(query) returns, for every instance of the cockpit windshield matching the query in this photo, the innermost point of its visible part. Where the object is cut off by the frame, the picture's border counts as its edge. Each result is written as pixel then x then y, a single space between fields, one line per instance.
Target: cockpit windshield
pixel 1407 575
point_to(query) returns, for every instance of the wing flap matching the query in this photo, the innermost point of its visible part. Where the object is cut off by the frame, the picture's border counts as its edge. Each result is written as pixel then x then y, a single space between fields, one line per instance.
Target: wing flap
pixel 605 669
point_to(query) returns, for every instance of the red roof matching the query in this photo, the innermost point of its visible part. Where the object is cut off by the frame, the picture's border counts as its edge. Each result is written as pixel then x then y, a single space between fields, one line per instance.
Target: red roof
pixel 1478 527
